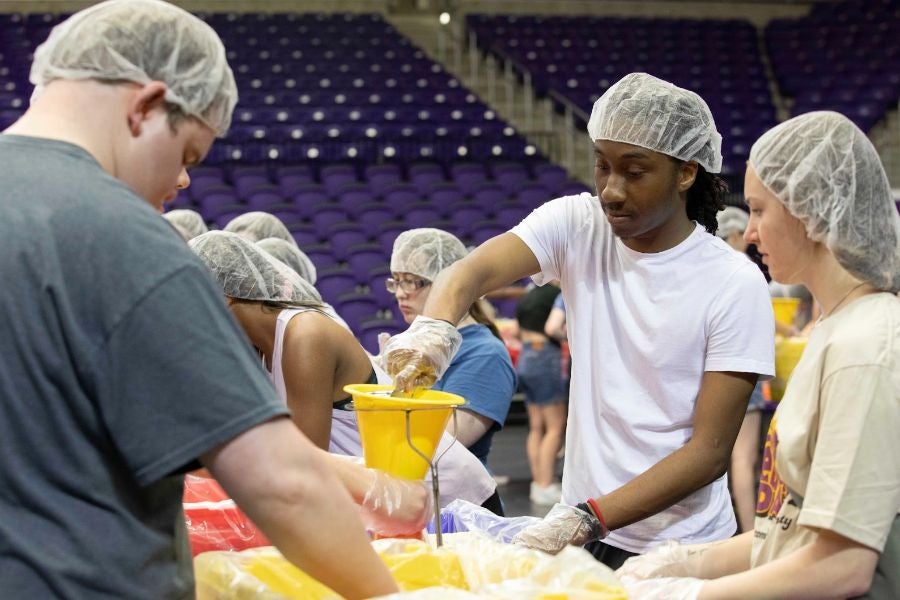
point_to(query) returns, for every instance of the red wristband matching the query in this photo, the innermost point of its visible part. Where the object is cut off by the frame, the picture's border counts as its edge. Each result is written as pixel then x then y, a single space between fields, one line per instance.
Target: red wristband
pixel 596 509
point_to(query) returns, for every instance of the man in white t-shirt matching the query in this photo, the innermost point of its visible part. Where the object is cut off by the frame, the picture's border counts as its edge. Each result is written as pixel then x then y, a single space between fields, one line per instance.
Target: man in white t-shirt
pixel 669 327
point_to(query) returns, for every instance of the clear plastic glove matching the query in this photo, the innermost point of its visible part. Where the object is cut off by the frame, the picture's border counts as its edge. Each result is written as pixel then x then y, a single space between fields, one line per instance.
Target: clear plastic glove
pixel 563 525
pixel 664 588
pixel 666 560
pixel 393 506
pixel 420 355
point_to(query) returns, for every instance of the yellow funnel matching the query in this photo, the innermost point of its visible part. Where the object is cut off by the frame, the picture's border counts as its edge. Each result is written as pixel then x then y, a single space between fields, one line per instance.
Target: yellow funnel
pixel 382 421
pixel 785 309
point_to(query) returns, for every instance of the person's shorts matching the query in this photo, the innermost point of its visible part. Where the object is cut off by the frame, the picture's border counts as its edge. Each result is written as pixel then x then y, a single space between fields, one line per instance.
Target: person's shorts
pixel 756 398
pixel 540 376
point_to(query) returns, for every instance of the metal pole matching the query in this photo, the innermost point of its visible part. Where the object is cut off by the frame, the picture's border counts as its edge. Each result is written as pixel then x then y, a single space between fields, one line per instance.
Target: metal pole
pixel 529 109
pixel 570 145
pixel 492 79
pixel 473 58
pixel 508 80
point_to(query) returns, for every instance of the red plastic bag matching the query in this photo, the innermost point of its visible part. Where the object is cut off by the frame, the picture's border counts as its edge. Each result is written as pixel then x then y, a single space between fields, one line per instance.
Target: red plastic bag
pixel 214 522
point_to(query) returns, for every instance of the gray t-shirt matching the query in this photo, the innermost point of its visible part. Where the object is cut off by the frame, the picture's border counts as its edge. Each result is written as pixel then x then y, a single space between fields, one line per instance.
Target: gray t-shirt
pixel 120 366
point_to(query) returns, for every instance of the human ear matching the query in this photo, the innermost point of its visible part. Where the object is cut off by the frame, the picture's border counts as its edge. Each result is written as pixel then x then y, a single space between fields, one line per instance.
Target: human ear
pixel 687 173
pixel 142 101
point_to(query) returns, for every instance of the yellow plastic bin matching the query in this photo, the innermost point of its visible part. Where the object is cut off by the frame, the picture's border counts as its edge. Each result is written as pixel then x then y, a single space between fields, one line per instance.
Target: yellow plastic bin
pixel 382 421
pixel 785 309
pixel 787 354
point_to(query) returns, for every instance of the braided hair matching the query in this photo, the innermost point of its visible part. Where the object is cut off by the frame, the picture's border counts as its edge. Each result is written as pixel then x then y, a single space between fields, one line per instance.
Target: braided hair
pixel 704 199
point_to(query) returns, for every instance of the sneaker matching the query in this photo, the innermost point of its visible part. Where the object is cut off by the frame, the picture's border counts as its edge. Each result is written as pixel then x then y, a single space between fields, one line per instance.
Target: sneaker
pixel 501 479
pixel 545 496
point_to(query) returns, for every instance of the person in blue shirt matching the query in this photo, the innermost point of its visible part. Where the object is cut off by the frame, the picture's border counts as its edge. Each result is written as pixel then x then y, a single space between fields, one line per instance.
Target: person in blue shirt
pixel 482 371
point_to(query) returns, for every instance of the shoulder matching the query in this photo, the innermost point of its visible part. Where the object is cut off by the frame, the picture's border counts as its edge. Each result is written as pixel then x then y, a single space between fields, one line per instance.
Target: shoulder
pixel 865 333
pixel 480 344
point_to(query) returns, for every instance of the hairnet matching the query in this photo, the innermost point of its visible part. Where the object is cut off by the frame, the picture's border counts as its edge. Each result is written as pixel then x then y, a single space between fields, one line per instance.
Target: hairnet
pixel 189 222
pixel 247 272
pixel 731 219
pixel 651 113
pixel 829 176
pixel 143 41
pixel 290 255
pixel 425 252
pixel 258 225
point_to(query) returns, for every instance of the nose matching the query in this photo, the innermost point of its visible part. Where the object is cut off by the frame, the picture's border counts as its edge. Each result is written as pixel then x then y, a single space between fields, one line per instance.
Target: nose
pixel 750 236
pixel 184 180
pixel 613 190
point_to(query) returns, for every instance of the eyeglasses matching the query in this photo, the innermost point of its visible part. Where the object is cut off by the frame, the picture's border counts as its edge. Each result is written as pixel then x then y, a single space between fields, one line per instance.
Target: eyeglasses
pixel 409 286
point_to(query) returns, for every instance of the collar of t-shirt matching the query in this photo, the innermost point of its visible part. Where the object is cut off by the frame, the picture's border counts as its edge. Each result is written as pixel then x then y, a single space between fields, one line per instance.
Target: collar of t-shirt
pixel 696 237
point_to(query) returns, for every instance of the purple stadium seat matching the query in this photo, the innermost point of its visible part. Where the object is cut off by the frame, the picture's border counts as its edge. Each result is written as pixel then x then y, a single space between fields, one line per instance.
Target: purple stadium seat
pixel 333 281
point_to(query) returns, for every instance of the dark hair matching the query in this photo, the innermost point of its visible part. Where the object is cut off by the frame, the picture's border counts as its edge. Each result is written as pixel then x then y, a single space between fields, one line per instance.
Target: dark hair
pixel 704 199
pixel 477 313
pixel 278 305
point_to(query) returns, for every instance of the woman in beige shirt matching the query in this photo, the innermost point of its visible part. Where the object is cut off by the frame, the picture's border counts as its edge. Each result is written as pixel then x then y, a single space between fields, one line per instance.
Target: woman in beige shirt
pixel 821 214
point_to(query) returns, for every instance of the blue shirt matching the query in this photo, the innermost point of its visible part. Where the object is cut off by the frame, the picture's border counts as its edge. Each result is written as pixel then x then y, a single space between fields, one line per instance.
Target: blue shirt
pixel 482 373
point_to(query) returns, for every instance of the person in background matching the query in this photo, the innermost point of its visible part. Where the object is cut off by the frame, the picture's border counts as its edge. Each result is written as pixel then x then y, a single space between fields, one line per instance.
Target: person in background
pixel 310 357
pixel 827 523
pixel 482 372
pixel 540 377
pixel 122 368
pixel 258 225
pixel 187 222
pixel 291 255
pixel 669 328
pixel 745 456
pixel 555 327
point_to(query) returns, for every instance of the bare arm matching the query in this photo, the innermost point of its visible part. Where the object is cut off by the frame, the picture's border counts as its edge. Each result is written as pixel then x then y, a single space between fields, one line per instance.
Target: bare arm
pixel 309 363
pixel 275 475
pixel 555 326
pixel 496 263
pixel 470 426
pixel 720 409
pixel 832 566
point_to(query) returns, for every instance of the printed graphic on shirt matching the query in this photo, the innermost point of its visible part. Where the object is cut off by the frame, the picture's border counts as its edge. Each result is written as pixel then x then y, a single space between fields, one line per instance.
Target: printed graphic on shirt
pixel 772 490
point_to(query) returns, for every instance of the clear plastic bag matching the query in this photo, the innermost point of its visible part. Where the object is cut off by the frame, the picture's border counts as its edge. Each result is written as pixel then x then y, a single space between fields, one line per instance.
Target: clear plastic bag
pixel 468 566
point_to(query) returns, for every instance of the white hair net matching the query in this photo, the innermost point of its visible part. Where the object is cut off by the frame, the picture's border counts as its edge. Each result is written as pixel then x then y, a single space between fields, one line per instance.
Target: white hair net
pixel 829 176
pixel 143 41
pixel 290 255
pixel 425 252
pixel 731 219
pixel 188 222
pixel 247 272
pixel 651 113
pixel 258 225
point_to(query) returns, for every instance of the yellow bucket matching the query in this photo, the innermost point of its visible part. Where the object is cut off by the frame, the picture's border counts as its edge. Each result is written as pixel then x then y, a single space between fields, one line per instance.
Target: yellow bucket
pixel 787 354
pixel 382 421
pixel 785 309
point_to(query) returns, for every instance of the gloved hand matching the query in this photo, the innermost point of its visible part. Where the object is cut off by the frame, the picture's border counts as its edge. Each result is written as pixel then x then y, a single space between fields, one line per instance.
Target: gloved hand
pixel 664 588
pixel 669 559
pixel 420 355
pixel 562 526
pixel 393 506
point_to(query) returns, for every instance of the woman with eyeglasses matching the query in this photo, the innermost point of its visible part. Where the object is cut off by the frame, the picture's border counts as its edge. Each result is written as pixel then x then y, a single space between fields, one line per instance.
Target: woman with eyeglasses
pixel 482 371
pixel 310 357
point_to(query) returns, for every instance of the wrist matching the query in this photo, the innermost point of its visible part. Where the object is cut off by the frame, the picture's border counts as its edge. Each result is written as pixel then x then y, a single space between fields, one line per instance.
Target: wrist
pixel 590 507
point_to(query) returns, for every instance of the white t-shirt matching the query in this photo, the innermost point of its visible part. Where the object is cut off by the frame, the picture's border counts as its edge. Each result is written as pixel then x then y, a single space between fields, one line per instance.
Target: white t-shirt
pixel 460 474
pixel 643 328
pixel 833 440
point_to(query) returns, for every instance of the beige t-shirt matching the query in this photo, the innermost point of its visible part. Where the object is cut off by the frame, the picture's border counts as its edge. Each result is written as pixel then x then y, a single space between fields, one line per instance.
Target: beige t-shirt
pixel 832 454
